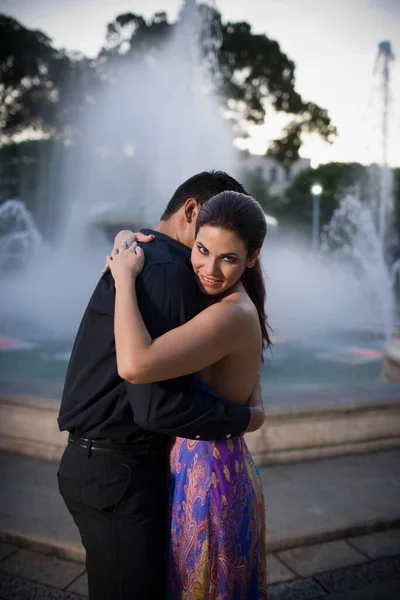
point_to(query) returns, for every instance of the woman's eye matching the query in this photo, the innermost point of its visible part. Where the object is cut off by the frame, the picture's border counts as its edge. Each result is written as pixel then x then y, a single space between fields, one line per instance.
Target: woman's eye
pixel 229 259
pixel 202 250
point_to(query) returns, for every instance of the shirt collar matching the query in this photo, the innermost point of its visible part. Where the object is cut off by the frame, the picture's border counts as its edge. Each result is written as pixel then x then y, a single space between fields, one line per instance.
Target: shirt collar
pixel 183 250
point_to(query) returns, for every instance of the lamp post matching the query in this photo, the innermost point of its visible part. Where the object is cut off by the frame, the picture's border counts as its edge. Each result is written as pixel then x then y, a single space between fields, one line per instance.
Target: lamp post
pixel 316 191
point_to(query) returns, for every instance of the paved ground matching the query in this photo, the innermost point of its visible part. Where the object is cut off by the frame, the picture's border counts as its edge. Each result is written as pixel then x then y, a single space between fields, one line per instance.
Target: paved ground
pixel 316 513
pixel 306 502
pixel 29 575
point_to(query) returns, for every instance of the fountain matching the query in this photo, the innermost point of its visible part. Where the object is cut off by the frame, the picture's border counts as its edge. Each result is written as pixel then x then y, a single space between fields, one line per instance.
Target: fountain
pixel 391 367
pixel 396 275
pixel 21 244
pixel 352 237
pixel 132 156
pixel 137 145
pixel 167 126
pixel 20 239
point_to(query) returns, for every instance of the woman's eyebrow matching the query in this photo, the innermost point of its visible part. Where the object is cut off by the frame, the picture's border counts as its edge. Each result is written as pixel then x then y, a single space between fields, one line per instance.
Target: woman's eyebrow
pixel 222 255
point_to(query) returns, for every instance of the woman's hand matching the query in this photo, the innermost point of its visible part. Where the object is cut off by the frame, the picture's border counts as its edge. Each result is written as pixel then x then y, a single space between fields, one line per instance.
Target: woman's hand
pixel 125 262
pixel 128 236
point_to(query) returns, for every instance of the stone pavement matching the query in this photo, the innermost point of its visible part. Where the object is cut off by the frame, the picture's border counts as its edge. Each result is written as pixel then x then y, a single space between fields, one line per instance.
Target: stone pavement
pixel 333 530
pixel 306 502
pixel 29 575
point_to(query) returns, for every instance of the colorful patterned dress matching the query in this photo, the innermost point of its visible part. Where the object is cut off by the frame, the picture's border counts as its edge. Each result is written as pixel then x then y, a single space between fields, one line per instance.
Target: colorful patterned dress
pixel 217 548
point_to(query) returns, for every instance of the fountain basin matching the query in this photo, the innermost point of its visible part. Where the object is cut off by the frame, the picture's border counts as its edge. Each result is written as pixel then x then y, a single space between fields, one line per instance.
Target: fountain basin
pixel 326 422
pixel 341 360
pixel 391 363
pixel 306 425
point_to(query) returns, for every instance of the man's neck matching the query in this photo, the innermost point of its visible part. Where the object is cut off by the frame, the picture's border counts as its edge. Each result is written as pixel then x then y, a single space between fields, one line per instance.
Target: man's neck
pixel 171 229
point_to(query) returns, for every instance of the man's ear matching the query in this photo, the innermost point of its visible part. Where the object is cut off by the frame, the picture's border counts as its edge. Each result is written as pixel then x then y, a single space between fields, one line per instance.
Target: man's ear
pixel 252 261
pixel 192 209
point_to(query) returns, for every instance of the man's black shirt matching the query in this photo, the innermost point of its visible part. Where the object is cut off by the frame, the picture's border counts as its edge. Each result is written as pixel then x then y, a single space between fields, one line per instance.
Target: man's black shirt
pixel 98 404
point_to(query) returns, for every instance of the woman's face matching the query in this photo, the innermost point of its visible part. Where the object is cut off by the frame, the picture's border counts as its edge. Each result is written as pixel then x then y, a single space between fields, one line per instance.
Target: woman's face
pixel 219 258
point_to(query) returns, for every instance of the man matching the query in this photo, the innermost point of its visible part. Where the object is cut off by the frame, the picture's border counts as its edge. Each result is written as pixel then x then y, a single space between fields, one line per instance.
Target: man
pixel 112 475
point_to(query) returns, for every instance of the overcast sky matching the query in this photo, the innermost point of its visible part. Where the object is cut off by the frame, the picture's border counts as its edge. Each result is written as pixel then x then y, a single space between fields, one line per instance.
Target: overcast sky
pixel 333 42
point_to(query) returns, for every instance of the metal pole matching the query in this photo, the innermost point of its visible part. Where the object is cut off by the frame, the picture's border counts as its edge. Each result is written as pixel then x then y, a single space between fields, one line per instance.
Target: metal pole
pixel 315 222
pixel 385 51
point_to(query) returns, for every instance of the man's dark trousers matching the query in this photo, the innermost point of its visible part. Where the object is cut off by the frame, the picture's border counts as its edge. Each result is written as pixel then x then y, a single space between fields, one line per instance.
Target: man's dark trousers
pixel 118 503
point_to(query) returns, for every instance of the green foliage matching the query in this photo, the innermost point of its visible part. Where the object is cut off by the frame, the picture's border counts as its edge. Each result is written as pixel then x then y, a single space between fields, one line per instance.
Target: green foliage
pixel 131 33
pixel 294 209
pixel 37 80
pixel 336 179
pixel 51 89
pixel 256 73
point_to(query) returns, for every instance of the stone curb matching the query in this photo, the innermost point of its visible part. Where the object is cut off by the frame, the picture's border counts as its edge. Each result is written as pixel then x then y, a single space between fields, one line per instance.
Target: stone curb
pixel 308 538
pixel 347 403
pixel 391 364
pixel 49 546
pixel 28 425
pixel 76 553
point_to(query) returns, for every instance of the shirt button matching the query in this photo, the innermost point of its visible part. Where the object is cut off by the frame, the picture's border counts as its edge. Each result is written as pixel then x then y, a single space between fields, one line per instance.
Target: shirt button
pixel 229 435
pixel 197 437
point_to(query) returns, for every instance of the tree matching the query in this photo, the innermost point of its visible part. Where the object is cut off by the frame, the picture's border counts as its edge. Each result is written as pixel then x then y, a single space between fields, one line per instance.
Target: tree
pixel 40 87
pixel 24 88
pixel 256 73
pixel 50 88
pixel 336 179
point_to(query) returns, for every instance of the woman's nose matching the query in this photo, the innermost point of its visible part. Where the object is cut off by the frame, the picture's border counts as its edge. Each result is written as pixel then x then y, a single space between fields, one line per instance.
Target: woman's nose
pixel 211 268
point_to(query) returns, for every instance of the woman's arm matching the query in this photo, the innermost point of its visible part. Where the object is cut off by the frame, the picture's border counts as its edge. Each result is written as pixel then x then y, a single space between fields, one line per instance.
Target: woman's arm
pixel 201 342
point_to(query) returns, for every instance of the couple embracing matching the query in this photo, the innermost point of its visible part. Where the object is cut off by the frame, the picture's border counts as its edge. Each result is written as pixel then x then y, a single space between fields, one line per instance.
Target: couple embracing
pixel 161 386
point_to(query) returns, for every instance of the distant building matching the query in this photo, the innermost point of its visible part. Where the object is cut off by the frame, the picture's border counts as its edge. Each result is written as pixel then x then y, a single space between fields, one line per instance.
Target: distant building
pixel 277 177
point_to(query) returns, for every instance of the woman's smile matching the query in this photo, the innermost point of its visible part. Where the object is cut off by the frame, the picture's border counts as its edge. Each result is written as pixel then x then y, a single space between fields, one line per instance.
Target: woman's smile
pixel 209 281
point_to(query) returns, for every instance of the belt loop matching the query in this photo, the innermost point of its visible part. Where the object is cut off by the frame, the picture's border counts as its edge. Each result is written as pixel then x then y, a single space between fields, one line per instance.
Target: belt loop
pixel 89 448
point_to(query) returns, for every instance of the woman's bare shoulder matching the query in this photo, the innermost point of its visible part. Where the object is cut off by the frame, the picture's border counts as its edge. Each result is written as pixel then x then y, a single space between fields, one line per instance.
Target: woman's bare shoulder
pixel 239 308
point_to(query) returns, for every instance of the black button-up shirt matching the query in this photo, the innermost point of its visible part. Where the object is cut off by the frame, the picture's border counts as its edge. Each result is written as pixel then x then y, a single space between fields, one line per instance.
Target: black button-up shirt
pixel 98 404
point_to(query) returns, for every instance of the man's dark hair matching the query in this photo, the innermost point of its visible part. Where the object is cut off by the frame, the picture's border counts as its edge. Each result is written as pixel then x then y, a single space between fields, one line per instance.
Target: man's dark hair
pixel 201 187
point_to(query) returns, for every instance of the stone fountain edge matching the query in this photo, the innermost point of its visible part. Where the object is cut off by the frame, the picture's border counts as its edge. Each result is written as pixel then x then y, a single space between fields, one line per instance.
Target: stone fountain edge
pixel 291 433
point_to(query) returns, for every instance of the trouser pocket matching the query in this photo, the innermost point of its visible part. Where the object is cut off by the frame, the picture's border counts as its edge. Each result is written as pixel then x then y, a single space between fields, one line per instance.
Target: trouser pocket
pixel 96 481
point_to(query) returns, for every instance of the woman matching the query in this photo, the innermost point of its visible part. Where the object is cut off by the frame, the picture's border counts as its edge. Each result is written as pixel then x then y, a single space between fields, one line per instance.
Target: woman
pixel 217 547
